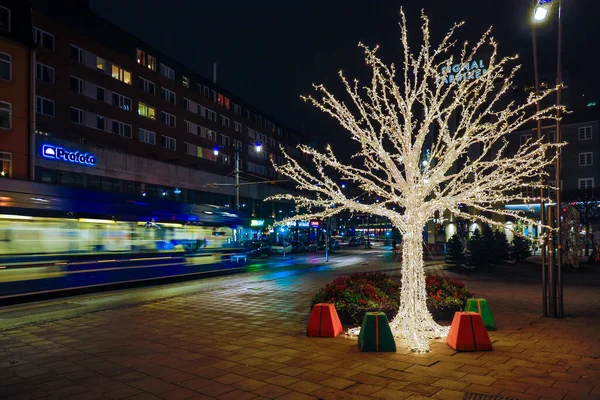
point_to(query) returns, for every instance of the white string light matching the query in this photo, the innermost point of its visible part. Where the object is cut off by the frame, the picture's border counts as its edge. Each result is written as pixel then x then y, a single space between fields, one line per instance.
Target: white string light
pixel 391 119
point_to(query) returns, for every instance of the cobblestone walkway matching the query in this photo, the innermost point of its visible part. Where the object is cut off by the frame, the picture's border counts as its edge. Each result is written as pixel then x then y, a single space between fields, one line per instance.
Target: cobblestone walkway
pixel 249 342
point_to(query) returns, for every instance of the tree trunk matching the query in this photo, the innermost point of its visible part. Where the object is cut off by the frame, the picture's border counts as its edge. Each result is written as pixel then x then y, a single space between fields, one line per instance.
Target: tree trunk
pixel 414 322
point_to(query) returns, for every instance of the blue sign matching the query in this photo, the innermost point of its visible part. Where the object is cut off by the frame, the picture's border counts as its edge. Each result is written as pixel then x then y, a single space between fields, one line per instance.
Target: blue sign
pixel 61 154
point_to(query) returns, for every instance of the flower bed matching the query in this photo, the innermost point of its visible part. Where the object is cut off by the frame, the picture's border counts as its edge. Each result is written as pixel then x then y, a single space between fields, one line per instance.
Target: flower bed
pixel 445 296
pixel 355 294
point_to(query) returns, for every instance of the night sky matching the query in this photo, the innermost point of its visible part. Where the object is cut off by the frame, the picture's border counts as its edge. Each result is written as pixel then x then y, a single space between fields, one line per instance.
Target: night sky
pixel 269 52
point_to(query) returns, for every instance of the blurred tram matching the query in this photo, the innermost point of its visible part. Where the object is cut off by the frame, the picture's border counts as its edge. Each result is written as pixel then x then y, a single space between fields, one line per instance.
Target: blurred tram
pixel 54 238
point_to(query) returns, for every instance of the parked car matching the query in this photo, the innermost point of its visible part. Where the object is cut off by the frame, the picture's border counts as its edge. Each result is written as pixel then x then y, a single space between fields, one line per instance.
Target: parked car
pixel 298 247
pixel 354 242
pixel 256 248
pixel 310 246
pixel 278 248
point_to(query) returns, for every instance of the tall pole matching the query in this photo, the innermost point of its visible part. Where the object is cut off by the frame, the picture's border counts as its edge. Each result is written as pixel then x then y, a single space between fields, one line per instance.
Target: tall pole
pixel 236 155
pixel 559 285
pixel 542 206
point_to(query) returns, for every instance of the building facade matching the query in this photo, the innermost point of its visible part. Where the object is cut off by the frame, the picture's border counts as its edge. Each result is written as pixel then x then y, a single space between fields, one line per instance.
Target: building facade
pixel 112 113
pixel 16 90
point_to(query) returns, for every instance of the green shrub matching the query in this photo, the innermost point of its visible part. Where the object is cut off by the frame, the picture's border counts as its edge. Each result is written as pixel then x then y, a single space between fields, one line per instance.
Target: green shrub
pixel 455 252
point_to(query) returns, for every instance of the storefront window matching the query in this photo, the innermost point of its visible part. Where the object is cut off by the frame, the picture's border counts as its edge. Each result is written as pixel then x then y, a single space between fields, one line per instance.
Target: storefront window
pixel 5 165
pixel 44 175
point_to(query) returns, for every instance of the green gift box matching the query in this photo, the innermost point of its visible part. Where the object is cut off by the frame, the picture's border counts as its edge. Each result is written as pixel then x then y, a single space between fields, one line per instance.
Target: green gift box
pixel 375 333
pixel 480 306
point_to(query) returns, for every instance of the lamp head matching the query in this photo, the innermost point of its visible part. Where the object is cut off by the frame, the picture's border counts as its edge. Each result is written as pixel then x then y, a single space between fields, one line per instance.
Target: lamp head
pixel 216 151
pixel 540 13
pixel 258 147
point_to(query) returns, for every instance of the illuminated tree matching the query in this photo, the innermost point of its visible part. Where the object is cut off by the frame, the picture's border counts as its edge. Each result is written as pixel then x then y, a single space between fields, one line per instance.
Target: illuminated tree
pixel 416 174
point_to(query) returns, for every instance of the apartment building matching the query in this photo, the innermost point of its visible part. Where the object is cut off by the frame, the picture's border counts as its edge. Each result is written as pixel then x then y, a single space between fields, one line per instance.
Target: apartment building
pixel 16 90
pixel 113 113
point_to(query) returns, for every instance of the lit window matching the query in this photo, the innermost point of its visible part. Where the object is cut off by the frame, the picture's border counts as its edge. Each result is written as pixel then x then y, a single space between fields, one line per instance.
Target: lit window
pixel 76 84
pixel 141 57
pixel 43 39
pixel 224 159
pixel 121 74
pixel 44 106
pixel 147 136
pixel 167 72
pixel 185 81
pixel 44 73
pixel 5 165
pixel 151 63
pixel 4 18
pixel 146 111
pixel 76 54
pixel 5 66
pixel 586 159
pixel 167 142
pixel 223 101
pixel 167 119
pixel 585 133
pixel 5 116
pixel 167 95
pixel 101 63
pixel 76 116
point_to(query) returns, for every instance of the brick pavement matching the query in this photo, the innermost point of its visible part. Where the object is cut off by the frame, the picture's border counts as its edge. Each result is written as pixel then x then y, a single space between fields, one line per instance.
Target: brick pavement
pixel 249 342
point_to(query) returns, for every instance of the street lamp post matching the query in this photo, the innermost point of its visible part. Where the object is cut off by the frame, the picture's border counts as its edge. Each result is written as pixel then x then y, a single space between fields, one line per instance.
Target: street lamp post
pixel 559 285
pixel 236 157
pixel 554 271
pixel 542 205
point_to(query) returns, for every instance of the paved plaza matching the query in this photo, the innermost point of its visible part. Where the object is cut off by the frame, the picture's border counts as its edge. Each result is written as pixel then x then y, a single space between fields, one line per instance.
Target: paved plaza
pixel 245 338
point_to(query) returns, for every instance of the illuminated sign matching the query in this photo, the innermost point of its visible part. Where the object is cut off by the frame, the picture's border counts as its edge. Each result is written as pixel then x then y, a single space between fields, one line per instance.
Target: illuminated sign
pixel 61 154
pixel 470 70
pixel 314 224
pixel 257 222
pixel 303 224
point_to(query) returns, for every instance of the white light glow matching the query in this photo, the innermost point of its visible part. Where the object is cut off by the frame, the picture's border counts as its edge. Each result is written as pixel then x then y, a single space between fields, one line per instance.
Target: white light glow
pixel 540 13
